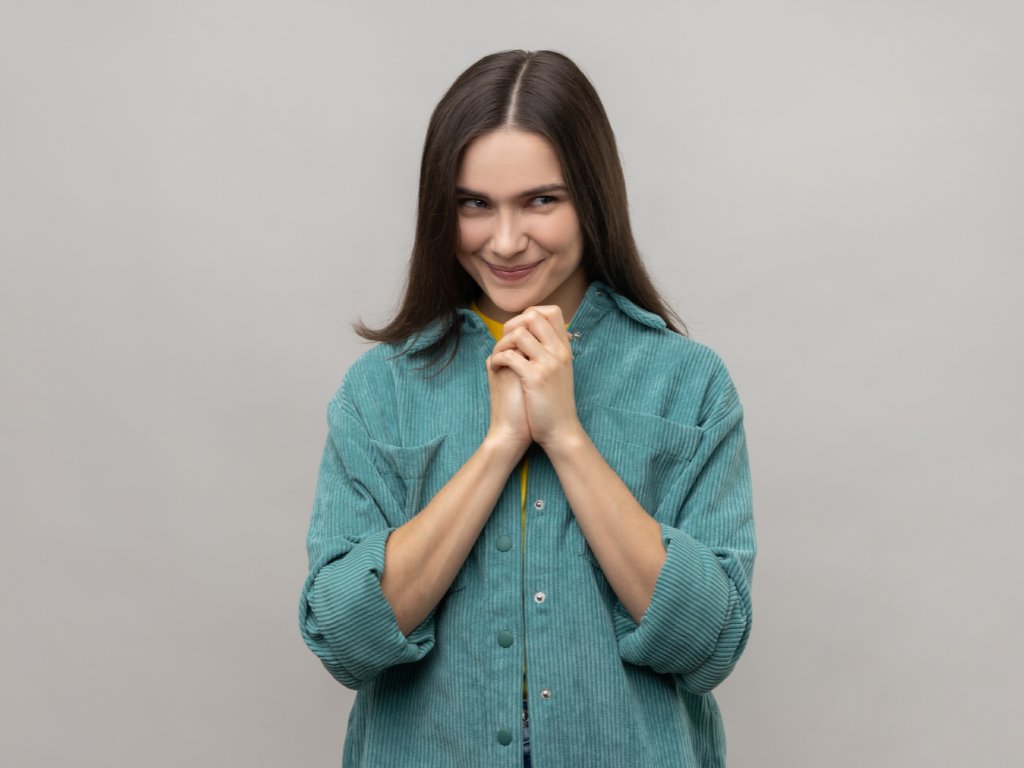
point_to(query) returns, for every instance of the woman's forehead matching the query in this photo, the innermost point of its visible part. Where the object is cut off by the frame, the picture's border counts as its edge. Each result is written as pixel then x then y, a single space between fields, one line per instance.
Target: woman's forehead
pixel 509 163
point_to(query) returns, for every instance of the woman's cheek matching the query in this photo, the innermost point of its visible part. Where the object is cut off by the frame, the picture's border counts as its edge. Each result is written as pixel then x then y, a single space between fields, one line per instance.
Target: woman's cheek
pixel 559 230
pixel 471 237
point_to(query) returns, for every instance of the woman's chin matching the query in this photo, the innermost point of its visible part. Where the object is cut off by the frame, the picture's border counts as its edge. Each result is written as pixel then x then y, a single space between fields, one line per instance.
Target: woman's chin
pixel 513 308
pixel 504 307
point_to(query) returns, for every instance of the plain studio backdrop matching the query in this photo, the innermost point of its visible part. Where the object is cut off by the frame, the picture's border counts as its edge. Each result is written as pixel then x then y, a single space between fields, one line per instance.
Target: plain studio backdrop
pixel 197 198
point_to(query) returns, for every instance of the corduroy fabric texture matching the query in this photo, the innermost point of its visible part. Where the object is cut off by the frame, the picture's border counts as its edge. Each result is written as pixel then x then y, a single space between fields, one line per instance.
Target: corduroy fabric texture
pixel 604 691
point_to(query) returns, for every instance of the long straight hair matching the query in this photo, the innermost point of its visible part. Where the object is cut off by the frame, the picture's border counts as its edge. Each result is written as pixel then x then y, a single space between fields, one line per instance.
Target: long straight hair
pixel 541 92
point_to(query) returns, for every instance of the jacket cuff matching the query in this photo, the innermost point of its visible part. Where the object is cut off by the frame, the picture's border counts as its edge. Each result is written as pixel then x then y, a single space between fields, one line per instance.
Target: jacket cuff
pixel 688 609
pixel 352 621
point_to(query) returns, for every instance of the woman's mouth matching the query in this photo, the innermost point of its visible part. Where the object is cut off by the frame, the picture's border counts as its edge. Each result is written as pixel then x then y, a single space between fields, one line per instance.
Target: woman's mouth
pixel 513 274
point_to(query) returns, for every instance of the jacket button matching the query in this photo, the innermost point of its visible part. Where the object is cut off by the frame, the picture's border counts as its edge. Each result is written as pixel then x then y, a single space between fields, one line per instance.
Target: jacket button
pixel 504 543
pixel 539 598
pixel 505 638
pixel 504 737
pixel 545 694
pixel 538 504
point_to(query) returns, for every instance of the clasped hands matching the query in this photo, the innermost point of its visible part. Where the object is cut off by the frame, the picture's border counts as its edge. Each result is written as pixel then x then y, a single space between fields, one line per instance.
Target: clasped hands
pixel 529 372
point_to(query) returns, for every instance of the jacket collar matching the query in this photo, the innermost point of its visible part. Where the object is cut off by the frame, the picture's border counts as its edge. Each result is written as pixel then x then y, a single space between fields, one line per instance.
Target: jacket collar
pixel 598 300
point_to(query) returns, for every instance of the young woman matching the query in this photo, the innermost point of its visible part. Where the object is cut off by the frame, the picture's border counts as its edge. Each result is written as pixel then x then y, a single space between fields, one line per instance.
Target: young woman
pixel 532 538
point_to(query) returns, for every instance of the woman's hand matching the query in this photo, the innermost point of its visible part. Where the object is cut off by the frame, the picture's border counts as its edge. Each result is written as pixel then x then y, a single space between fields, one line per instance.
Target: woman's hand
pixel 509 427
pixel 535 347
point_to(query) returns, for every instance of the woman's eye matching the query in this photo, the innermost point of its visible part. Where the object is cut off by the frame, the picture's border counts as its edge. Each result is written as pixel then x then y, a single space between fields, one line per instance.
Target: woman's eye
pixel 544 200
pixel 472 202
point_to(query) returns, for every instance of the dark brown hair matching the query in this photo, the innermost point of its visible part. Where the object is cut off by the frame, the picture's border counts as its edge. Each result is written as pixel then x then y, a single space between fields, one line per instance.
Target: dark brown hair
pixel 542 92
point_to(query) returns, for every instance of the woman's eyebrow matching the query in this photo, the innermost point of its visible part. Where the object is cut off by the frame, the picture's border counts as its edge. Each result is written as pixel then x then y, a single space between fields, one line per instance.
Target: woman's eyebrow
pixel 541 190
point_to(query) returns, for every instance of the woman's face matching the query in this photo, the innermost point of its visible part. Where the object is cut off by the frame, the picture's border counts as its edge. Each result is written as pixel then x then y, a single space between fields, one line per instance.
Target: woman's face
pixel 519 237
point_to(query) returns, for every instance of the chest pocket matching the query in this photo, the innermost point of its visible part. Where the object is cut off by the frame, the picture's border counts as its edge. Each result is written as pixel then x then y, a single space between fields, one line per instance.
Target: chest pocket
pixel 650 453
pixel 412 474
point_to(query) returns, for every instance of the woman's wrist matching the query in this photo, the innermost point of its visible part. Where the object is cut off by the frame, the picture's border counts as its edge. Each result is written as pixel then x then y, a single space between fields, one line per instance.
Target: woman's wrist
pixel 502 448
pixel 565 442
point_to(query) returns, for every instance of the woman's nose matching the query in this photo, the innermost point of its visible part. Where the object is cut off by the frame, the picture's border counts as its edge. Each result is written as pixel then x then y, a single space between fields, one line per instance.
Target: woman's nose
pixel 509 237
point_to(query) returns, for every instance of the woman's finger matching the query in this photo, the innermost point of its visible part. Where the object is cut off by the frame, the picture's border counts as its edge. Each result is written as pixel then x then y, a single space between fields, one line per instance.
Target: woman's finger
pixel 554 339
pixel 545 323
pixel 551 312
pixel 507 341
pixel 511 359
pixel 528 344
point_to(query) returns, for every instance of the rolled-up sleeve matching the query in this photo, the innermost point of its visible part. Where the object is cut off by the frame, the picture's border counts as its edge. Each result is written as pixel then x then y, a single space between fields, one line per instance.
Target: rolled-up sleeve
pixel 698 620
pixel 343 614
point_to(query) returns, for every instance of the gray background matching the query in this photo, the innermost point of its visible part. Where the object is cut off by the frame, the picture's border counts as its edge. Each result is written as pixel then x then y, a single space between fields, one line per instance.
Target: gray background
pixel 196 198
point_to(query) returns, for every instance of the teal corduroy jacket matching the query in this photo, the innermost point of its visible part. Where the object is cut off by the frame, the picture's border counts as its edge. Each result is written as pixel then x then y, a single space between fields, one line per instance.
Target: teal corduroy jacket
pixel 664 413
